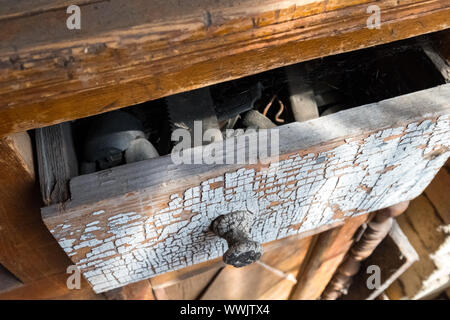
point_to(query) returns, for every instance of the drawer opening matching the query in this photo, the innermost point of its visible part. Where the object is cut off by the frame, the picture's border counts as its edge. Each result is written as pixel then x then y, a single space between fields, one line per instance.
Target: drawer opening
pixel 332 84
pixel 327 86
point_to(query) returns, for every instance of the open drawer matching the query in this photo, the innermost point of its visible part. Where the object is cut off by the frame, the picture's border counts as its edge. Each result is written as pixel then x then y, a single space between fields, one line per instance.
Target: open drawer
pixel 138 220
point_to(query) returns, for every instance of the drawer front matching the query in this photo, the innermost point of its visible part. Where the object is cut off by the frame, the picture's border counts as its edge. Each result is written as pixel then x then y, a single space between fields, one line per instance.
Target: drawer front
pixel 139 220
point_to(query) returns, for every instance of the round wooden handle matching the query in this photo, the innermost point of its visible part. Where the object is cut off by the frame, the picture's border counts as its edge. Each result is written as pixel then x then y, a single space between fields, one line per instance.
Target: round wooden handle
pixel 235 229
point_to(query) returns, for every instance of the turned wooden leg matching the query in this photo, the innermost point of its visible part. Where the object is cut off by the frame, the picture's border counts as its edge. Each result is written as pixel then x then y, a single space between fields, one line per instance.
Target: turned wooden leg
pixel 376 231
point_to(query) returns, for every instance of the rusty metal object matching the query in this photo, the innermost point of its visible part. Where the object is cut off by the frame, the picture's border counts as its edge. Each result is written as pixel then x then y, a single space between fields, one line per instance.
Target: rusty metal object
pixel 376 231
pixel 235 229
pixel 280 111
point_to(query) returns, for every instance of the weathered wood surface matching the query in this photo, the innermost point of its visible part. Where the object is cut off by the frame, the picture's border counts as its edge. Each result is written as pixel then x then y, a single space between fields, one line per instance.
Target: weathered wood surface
pixel 188 289
pixel 324 256
pixel 57 162
pixel 26 247
pixel 129 52
pixel 143 219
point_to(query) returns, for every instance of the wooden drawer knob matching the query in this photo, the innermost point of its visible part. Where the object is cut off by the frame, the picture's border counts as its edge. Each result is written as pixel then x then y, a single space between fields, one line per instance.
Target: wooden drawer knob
pixel 235 229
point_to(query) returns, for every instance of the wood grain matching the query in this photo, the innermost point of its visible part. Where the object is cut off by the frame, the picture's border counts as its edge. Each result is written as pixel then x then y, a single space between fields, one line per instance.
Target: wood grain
pixel 271 278
pixel 324 256
pixel 129 52
pixel 26 247
pixel 57 162
pixel 140 220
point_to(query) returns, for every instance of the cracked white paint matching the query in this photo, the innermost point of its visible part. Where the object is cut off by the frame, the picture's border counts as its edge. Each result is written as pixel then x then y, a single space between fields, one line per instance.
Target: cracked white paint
pixel 294 195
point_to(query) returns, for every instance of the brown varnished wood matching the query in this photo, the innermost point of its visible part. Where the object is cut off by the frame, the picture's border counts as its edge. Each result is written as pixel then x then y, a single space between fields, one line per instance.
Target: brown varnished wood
pixel 26 247
pixel 50 74
pixel 324 256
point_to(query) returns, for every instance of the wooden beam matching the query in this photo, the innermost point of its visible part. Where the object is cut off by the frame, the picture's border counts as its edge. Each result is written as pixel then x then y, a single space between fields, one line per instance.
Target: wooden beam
pixel 129 52
pixel 349 163
pixel 27 249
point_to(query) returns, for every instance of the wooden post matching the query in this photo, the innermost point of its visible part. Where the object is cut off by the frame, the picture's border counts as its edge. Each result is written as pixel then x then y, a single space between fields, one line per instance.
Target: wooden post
pixel 376 231
pixel 27 249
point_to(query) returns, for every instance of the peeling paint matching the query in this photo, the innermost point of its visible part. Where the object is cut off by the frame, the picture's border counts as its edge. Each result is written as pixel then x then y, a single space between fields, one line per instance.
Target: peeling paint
pixel 292 196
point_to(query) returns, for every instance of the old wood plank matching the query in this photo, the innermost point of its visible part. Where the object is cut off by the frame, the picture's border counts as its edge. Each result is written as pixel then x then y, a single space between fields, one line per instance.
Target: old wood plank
pixel 361 160
pixel 57 162
pixel 129 52
pixel 26 247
